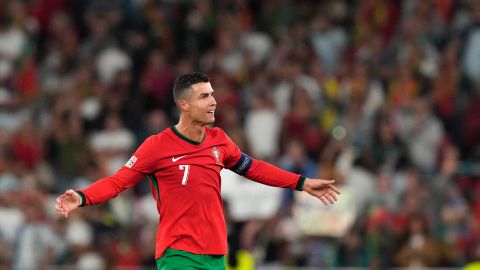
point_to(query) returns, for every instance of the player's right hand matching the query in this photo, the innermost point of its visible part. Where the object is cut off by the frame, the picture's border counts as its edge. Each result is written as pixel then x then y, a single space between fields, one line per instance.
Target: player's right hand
pixel 67 202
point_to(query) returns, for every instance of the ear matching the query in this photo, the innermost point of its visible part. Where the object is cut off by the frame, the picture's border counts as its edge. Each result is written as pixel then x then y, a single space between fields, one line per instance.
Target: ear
pixel 183 105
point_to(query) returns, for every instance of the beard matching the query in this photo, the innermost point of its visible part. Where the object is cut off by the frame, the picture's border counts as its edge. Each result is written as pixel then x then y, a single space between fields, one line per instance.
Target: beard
pixel 210 121
pixel 205 121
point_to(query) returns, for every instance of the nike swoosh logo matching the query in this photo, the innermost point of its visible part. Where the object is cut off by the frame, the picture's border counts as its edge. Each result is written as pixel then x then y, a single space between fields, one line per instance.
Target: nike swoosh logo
pixel 174 159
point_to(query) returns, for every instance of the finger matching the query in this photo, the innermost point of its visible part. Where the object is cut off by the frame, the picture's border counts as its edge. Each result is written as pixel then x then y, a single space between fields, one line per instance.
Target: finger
pixel 323 200
pixel 329 198
pixel 335 189
pixel 61 211
pixel 62 198
pixel 59 205
pixel 328 181
pixel 332 194
pixel 69 208
pixel 70 192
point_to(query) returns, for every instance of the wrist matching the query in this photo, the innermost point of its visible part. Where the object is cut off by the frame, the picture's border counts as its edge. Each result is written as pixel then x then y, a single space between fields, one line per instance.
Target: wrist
pixel 81 198
pixel 300 183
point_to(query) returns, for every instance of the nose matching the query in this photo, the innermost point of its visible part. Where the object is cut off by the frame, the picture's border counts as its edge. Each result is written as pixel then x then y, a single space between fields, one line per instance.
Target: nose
pixel 213 102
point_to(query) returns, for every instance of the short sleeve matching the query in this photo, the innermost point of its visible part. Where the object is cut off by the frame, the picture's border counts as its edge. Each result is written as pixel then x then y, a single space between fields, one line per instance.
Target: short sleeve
pixel 144 158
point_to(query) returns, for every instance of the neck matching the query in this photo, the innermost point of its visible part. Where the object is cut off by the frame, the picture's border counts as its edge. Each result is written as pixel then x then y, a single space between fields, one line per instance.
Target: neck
pixel 193 131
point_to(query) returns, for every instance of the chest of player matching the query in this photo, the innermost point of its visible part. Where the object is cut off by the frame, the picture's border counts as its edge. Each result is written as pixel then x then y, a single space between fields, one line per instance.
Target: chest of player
pixel 208 157
pixel 203 165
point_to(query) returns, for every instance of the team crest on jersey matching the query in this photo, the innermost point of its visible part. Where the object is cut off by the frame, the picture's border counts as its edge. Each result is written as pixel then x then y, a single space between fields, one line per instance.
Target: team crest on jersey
pixel 216 154
pixel 131 161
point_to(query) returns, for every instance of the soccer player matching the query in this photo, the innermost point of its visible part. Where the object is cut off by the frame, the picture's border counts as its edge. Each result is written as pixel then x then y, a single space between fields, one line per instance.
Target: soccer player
pixel 183 164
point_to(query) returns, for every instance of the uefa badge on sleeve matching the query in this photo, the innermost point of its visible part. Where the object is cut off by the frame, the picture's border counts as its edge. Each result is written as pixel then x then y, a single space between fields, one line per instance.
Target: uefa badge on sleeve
pixel 130 162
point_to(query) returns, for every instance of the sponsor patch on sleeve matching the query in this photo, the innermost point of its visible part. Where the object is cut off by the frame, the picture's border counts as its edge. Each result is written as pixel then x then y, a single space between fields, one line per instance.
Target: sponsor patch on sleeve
pixel 131 161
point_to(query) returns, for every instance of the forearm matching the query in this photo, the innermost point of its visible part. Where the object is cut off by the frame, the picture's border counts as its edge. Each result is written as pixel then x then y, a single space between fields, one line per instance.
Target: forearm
pixel 109 187
pixel 268 174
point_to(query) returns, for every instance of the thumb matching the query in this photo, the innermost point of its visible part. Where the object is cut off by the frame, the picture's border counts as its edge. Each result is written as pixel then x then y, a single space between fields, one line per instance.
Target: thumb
pixel 328 182
pixel 70 192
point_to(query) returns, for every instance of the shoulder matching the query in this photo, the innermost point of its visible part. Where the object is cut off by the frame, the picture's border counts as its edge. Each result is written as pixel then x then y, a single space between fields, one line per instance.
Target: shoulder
pixel 156 138
pixel 218 136
pixel 216 132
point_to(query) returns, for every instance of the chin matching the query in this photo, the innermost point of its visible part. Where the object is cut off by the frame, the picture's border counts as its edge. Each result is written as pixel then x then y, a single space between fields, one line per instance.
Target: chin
pixel 210 122
pixel 207 121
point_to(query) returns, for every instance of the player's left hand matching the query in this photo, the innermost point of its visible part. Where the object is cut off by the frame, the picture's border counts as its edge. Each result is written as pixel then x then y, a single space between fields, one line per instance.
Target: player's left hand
pixel 322 189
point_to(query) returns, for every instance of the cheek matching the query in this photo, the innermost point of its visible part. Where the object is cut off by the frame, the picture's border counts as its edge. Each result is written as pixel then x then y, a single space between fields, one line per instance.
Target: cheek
pixel 201 107
pixel 196 110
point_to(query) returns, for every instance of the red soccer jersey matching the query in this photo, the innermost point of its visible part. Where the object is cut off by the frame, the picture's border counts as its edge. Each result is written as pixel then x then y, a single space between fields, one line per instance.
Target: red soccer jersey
pixel 185 181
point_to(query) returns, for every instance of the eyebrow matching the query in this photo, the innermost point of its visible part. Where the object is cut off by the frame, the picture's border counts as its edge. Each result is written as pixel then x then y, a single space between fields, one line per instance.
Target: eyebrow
pixel 206 94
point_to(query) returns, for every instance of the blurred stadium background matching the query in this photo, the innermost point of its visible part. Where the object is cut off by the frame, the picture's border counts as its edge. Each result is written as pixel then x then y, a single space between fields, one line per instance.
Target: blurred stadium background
pixel 382 95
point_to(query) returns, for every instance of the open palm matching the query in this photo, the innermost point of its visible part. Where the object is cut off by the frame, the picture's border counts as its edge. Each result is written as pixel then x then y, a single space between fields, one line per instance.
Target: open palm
pixel 322 189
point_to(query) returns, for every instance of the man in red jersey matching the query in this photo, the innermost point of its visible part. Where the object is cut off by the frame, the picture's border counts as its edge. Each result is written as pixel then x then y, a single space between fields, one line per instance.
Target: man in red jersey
pixel 183 164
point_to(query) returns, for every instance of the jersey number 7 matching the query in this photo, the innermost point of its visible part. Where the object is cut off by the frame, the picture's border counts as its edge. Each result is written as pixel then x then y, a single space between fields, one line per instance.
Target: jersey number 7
pixel 185 169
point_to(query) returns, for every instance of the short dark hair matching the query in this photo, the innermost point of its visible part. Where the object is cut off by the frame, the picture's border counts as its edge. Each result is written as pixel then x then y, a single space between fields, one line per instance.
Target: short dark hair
pixel 184 82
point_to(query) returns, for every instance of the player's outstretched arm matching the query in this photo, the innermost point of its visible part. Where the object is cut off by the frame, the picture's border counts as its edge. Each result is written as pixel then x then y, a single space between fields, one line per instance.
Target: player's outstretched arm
pixel 67 202
pixel 322 189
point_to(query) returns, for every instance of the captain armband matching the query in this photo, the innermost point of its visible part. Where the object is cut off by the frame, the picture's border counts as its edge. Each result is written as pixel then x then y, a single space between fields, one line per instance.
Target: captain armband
pixel 243 164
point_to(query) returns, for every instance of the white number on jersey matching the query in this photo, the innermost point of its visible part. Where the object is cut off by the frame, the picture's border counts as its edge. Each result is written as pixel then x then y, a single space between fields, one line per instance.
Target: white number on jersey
pixel 185 169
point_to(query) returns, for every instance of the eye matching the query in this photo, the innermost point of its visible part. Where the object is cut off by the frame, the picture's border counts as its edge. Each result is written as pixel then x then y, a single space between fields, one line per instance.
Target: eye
pixel 206 95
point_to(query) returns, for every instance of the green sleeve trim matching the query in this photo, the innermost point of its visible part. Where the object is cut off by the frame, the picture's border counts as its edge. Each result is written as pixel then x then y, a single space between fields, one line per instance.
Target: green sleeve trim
pixel 300 182
pixel 84 199
pixel 155 184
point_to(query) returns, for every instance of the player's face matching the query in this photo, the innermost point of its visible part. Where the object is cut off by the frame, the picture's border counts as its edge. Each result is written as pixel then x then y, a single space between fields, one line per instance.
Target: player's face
pixel 202 104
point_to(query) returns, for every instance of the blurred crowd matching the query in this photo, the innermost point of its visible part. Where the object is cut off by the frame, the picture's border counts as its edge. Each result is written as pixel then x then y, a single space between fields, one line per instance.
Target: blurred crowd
pixel 381 95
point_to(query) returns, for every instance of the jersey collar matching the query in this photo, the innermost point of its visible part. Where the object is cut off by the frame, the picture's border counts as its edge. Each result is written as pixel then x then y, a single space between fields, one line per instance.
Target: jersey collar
pixel 181 136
